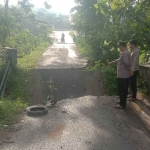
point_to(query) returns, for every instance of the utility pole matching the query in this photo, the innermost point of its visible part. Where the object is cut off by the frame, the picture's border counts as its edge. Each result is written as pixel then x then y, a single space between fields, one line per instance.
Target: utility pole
pixel 6 2
pixel 6 6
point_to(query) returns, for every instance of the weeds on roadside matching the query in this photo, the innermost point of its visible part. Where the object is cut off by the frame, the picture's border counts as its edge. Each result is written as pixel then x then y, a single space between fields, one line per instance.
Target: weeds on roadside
pixel 52 89
pixel 17 96
pixel 142 86
pixel 9 109
pixel 108 75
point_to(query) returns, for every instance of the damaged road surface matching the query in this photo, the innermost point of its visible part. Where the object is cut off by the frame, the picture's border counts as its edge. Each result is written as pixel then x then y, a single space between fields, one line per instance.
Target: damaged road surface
pixel 85 123
pixel 85 119
pixel 62 64
pixel 61 56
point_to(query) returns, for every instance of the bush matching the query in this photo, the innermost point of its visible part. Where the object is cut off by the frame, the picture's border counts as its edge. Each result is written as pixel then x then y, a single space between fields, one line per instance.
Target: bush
pixel 9 109
pixel 71 33
pixel 110 80
pixel 142 86
pixel 84 48
pixel 109 77
pixel 17 85
pixel 25 41
pixel 94 50
pixel 98 59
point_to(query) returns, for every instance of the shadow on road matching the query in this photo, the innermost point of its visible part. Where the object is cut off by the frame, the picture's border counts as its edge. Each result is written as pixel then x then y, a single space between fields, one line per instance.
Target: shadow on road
pixel 117 129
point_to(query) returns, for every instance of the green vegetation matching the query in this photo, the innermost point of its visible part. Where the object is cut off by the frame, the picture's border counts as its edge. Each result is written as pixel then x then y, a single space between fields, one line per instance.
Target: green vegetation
pixel 143 87
pixel 18 81
pixel 27 31
pixel 108 75
pixel 9 110
pixel 110 80
pixel 26 42
pixel 52 90
pixel 58 21
pixel 102 24
pixel 71 33
pixel 30 42
pixel 17 88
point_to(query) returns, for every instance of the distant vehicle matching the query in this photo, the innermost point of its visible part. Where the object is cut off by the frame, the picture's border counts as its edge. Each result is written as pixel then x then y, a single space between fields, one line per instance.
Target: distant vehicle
pixel 63 38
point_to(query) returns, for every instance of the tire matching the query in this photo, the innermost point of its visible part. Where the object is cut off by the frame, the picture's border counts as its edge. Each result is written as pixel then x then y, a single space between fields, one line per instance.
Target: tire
pixel 37 110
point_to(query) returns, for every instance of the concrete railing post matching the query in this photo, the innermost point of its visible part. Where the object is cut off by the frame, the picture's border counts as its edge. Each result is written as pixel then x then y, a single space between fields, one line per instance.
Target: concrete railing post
pixel 145 74
pixel 12 55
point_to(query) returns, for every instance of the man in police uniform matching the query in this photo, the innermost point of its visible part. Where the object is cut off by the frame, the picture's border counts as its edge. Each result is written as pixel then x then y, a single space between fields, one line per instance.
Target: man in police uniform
pixel 123 74
pixel 134 69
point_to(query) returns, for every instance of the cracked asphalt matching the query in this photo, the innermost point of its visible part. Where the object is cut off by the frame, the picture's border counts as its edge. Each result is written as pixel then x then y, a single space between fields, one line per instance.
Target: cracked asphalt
pixel 85 123
pixel 61 56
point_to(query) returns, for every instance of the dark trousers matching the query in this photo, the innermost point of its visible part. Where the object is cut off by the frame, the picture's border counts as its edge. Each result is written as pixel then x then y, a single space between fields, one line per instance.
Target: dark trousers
pixel 133 83
pixel 123 84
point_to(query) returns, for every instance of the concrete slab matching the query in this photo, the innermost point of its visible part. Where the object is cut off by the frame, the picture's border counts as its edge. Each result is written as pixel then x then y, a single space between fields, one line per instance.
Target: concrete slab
pixel 60 56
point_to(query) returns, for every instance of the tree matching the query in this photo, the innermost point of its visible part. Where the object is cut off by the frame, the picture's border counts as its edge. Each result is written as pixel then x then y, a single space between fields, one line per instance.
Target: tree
pixel 26 6
pixel 14 33
pixel 47 6
pixel 59 21
pixel 103 23
pixel 6 5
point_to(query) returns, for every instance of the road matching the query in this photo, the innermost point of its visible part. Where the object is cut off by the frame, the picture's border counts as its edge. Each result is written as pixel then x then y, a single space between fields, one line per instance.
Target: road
pixel 60 56
pixel 85 123
pixel 82 123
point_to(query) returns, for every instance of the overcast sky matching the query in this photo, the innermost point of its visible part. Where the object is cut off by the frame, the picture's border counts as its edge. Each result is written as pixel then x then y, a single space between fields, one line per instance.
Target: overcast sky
pixel 59 6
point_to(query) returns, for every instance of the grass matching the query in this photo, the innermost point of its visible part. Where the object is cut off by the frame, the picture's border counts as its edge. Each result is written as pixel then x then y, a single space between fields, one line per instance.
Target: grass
pixel 18 82
pixel 108 76
pixel 9 110
pixel 110 80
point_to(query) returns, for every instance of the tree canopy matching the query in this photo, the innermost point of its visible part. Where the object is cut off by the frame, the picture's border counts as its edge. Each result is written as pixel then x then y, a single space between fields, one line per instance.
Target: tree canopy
pixel 20 34
pixel 21 22
pixel 103 23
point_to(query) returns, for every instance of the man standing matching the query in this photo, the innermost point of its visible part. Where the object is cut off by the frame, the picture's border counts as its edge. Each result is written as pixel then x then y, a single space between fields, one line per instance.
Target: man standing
pixel 134 69
pixel 123 74
pixel 63 38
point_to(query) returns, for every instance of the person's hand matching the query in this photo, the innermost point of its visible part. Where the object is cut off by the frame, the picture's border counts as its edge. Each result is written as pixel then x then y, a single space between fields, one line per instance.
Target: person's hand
pixel 131 73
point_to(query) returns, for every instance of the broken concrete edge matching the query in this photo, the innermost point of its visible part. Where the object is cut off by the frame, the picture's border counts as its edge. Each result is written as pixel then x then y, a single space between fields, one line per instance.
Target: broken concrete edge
pixel 144 98
pixel 142 115
pixel 60 68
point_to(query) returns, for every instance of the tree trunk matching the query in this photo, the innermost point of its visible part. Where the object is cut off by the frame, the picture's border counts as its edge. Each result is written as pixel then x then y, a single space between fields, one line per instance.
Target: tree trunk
pixel 6 7
pixel 6 24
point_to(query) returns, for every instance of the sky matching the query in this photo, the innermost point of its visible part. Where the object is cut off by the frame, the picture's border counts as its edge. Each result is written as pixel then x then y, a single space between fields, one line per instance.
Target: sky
pixel 58 6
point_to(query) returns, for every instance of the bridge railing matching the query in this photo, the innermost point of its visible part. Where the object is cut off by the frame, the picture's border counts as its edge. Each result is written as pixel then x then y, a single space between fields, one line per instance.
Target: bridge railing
pixel 8 61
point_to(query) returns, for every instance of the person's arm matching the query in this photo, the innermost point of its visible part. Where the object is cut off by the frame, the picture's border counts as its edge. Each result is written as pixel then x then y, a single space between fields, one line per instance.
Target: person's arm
pixel 113 62
pixel 127 60
pixel 135 60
